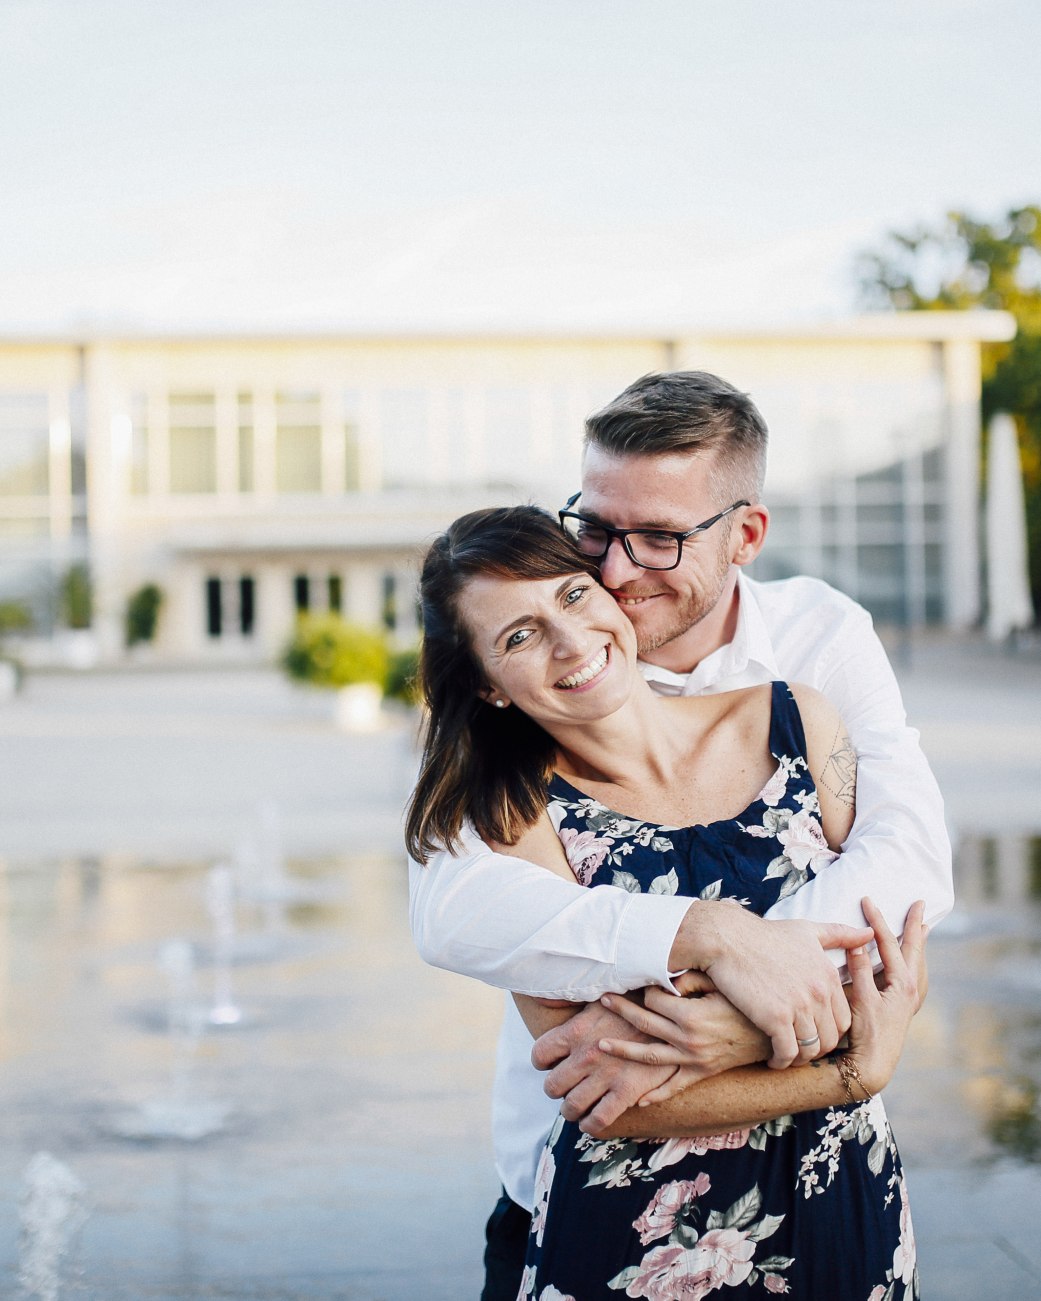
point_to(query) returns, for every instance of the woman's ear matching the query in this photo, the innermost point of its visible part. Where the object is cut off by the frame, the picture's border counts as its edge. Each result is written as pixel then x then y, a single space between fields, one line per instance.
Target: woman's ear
pixel 494 697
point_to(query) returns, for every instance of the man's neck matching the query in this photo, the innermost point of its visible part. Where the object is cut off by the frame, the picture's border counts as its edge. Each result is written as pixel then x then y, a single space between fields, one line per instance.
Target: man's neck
pixel 684 653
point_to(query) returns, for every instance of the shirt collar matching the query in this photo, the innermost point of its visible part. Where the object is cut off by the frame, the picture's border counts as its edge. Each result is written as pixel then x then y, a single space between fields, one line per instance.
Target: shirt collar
pixel 751 647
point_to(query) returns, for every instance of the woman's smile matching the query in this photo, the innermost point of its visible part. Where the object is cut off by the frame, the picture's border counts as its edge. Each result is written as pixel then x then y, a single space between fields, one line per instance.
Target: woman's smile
pixel 588 673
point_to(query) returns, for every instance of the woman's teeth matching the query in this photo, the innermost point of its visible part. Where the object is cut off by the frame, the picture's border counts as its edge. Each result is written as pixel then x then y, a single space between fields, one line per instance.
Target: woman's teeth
pixel 587 674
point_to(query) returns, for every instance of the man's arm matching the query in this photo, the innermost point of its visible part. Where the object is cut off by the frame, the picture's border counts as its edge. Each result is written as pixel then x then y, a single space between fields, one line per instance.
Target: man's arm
pixel 535 930
pixel 516 925
pixel 898 850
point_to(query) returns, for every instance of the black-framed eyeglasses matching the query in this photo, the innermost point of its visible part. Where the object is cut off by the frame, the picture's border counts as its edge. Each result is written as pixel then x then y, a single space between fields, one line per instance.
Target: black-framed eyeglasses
pixel 648 548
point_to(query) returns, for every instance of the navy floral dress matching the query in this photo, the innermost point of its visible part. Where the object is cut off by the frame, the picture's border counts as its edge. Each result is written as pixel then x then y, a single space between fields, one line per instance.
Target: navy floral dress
pixel 811 1206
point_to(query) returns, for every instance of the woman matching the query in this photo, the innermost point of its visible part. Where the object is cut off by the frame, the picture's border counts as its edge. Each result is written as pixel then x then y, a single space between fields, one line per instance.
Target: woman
pixel 544 735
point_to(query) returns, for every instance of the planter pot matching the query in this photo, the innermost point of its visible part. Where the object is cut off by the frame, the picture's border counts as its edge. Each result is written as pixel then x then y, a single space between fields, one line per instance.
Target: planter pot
pixel 8 681
pixel 357 708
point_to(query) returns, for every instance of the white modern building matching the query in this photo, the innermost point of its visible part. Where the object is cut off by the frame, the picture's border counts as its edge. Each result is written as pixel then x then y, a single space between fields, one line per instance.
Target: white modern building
pixel 250 477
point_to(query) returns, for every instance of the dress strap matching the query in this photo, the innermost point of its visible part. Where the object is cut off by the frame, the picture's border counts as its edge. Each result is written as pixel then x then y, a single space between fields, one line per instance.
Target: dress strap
pixel 787 737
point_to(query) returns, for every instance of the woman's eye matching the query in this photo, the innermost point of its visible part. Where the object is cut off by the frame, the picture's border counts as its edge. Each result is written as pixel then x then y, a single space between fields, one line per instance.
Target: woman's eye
pixel 575 594
pixel 517 638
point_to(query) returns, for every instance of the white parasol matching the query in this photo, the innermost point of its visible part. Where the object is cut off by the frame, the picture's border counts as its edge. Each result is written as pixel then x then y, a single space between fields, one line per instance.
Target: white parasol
pixel 1009 607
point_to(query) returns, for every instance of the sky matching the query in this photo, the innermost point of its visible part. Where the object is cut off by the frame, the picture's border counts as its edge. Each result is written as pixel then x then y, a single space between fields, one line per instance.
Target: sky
pixel 484 164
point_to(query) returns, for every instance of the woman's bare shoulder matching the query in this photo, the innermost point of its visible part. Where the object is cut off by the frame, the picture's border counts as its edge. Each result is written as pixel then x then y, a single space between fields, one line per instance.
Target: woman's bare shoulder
pixel 539 844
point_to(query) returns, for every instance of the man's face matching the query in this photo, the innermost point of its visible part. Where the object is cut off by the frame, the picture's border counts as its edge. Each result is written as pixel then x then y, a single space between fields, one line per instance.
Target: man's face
pixel 670 491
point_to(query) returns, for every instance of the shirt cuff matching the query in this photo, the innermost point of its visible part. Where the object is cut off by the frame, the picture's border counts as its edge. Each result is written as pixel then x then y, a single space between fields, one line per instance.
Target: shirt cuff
pixel 646 934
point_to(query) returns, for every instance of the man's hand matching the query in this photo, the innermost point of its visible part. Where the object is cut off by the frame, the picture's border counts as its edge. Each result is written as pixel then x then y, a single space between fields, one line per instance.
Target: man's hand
pixel 701 1030
pixel 595 1087
pixel 777 974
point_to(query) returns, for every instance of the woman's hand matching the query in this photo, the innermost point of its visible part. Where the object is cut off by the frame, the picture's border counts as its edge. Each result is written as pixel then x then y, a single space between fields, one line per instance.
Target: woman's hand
pixel 701 1032
pixel 882 1007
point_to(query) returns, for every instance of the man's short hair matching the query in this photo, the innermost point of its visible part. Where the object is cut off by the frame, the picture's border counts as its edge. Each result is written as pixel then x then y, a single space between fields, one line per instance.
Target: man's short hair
pixel 688 411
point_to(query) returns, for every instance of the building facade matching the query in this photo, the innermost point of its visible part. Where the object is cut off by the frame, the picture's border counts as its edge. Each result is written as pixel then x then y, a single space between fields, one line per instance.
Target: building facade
pixel 249 478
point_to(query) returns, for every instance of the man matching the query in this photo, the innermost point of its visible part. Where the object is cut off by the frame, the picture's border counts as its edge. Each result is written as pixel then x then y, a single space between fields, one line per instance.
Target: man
pixel 671 507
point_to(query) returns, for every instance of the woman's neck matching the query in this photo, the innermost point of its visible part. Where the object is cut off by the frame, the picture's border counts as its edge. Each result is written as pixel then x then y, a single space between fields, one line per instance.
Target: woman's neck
pixel 644 738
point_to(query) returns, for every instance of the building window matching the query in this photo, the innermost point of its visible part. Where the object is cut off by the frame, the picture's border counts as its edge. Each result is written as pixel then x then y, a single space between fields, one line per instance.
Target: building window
pixel 214 623
pixel 298 443
pixel 139 445
pixel 335 592
pixel 24 445
pixel 389 604
pixel 246 471
pixel 193 443
pixel 246 605
pixel 351 440
pixel 302 593
pixel 403 429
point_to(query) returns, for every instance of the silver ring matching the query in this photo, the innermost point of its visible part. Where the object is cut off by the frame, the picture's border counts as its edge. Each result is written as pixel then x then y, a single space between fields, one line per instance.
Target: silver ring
pixel 805 1043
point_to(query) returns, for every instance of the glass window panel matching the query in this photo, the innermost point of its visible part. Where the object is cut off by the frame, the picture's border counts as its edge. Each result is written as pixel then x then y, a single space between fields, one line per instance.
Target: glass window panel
pixel 403 429
pixel 302 593
pixel 246 470
pixel 25 526
pixel 298 459
pixel 139 445
pixel 193 460
pixel 335 593
pixel 213 607
pixel 245 444
pixel 24 445
pixel 246 605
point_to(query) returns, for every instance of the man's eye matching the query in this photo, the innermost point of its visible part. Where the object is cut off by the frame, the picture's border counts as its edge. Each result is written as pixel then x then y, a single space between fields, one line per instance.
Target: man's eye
pixel 659 541
pixel 517 638
pixel 590 533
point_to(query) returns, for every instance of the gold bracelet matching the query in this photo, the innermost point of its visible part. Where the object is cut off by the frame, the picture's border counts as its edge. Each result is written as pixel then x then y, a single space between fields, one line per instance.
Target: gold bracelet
pixel 848 1070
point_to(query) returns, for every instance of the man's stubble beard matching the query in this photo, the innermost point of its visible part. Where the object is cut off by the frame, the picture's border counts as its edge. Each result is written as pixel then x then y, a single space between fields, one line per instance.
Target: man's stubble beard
pixel 697 607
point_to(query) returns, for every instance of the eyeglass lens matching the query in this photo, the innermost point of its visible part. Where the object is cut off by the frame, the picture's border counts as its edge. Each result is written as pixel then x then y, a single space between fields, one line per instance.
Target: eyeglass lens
pixel 649 550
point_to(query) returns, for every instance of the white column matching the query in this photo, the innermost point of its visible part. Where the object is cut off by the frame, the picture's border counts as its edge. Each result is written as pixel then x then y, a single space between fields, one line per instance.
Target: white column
pixel 226 432
pixel 364 595
pixel 108 436
pixel 274 613
pixel 263 443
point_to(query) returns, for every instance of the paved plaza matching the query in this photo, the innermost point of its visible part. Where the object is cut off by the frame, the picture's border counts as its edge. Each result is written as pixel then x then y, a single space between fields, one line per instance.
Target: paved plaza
pixel 182 850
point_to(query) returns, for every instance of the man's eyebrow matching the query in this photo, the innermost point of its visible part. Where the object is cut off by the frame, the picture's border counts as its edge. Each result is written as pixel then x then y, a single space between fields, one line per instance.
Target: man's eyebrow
pixel 651 525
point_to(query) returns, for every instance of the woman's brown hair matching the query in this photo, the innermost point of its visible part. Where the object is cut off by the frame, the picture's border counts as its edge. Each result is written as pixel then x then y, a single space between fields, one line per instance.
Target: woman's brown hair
pixel 489 766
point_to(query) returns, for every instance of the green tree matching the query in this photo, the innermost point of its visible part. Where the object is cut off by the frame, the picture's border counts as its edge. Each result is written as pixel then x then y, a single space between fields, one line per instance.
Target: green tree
pixel 142 617
pixel 964 263
pixel 77 597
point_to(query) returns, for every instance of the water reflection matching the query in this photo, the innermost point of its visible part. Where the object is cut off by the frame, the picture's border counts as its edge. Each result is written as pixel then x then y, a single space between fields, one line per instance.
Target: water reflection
pixel 279 1148
pixel 969 1086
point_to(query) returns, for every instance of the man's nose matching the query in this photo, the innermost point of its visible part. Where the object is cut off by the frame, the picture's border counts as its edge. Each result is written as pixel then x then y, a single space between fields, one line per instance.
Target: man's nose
pixel 616 568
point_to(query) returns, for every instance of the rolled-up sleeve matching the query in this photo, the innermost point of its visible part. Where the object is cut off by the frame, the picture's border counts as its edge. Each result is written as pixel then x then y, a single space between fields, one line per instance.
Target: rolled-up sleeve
pixel 898 850
pixel 521 927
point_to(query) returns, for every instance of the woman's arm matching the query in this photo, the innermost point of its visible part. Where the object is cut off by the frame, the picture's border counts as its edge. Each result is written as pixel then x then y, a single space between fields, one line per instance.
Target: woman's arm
pixel 749 1095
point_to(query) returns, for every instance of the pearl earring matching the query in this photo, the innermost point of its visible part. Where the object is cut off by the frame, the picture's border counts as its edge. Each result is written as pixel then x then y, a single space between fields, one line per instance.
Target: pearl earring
pixel 500 704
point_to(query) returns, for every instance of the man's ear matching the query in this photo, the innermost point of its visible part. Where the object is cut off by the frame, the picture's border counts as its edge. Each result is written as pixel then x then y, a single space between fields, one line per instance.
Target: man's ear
pixel 750 534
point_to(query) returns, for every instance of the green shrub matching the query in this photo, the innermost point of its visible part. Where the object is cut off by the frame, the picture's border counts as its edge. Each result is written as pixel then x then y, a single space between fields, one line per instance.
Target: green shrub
pixel 327 651
pixel 401 676
pixel 143 613
pixel 15 616
pixel 77 597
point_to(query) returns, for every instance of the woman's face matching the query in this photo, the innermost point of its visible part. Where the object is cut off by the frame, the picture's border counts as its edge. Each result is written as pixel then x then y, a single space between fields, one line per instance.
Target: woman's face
pixel 560 649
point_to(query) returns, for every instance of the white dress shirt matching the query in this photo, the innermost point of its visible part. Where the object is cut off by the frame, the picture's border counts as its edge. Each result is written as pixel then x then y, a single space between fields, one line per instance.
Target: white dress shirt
pixel 515 925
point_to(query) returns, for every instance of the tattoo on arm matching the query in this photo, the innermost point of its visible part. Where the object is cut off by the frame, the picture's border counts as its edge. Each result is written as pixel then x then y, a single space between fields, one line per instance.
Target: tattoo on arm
pixel 839 774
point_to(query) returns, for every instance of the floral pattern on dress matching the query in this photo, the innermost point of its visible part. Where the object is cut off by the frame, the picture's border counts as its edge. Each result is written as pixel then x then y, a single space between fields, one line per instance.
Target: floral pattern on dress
pixel 755 1211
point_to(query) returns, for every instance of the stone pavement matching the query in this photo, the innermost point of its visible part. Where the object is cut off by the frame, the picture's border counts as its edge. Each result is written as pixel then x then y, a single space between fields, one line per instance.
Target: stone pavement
pixel 350 1152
